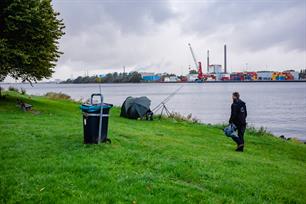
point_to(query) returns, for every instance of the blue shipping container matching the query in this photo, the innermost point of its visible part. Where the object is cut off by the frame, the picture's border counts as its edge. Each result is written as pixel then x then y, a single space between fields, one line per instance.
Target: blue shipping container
pixel 151 78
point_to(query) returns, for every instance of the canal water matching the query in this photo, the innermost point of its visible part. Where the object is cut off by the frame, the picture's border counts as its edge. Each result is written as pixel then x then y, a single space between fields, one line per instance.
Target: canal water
pixel 279 107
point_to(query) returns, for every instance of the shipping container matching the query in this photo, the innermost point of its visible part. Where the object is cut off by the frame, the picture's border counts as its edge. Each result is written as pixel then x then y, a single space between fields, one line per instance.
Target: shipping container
pixel 151 78
pixel 237 76
pixel 264 75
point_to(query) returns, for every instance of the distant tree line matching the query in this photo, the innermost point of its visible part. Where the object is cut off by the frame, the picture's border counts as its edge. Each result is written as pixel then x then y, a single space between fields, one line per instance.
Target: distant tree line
pixel 132 77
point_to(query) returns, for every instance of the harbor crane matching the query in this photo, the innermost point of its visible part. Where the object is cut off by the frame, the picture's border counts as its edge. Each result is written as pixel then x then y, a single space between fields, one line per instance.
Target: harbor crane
pixel 198 65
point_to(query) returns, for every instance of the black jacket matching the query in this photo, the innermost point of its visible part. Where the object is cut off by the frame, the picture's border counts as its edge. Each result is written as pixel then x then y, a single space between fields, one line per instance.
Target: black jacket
pixel 238 113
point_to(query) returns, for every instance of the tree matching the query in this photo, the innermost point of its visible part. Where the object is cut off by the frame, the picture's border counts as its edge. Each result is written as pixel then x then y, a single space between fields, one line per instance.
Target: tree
pixel 193 71
pixel 134 77
pixel 29 35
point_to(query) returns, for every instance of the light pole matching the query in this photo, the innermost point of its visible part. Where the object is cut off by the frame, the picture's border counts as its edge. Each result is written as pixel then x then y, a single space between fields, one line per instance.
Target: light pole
pixel 246 66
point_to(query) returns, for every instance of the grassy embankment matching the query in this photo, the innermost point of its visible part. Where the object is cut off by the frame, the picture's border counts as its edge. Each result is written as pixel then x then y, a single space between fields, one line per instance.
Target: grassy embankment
pixel 164 161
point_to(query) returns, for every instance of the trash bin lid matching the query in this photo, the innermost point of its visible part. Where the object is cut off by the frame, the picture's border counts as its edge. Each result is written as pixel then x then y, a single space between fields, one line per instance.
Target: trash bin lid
pixel 94 107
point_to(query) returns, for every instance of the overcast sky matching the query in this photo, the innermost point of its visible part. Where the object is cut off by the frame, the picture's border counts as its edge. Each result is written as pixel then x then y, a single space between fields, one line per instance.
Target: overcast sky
pixel 103 36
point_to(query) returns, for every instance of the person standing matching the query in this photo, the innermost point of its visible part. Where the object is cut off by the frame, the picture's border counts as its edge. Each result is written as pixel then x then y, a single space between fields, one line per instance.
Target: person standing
pixel 238 118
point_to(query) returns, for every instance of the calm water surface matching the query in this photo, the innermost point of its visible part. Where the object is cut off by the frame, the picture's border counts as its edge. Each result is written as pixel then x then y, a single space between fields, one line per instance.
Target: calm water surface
pixel 280 107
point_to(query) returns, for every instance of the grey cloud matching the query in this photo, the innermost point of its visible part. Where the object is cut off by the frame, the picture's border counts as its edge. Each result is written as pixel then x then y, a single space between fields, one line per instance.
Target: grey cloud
pixel 287 31
pixel 135 15
pixel 97 31
pixel 129 16
pixel 212 15
pixel 255 25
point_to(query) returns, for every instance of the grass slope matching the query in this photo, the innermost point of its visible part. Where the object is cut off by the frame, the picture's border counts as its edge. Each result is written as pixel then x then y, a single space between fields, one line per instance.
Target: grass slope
pixel 43 160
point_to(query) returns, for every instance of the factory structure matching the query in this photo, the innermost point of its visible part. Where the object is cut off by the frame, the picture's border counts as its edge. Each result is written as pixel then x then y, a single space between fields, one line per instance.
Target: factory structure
pixel 215 72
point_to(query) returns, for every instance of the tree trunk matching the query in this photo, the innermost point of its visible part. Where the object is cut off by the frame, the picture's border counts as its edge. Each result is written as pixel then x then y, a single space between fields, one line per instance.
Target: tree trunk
pixel 1 97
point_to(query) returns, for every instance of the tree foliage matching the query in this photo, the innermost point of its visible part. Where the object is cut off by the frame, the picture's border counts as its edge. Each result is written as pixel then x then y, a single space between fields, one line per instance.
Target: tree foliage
pixel 132 77
pixel 29 35
pixel 193 71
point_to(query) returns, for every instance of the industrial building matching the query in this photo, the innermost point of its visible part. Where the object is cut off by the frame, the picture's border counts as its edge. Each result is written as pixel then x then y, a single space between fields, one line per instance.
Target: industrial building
pixel 143 74
pixel 171 79
pixel 214 69
pixel 150 77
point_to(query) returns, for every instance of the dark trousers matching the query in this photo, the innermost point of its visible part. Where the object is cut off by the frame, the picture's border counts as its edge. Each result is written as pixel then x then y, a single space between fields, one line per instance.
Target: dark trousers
pixel 149 115
pixel 240 139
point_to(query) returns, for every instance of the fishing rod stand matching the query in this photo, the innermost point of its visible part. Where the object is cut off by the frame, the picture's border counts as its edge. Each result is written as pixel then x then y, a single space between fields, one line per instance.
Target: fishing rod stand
pixel 164 108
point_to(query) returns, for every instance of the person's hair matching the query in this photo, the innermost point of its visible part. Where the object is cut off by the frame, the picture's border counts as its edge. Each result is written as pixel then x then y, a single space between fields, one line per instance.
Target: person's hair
pixel 236 94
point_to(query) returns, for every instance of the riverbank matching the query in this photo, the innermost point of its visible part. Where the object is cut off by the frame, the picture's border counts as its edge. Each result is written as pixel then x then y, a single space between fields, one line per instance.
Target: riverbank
pixel 164 161
pixel 190 82
pixel 268 103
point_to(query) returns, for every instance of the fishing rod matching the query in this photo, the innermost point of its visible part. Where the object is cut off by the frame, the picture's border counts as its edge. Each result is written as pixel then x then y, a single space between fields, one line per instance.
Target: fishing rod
pixel 162 104
pixel 101 115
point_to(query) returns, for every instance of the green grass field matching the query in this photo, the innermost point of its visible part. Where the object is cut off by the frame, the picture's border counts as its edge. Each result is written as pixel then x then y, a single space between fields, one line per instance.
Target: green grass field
pixel 44 160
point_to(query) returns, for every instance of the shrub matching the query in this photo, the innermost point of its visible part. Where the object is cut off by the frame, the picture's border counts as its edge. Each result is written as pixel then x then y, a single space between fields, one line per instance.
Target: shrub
pixel 11 88
pixel 179 117
pixel 60 95
pixel 23 91
pixel 259 131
